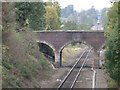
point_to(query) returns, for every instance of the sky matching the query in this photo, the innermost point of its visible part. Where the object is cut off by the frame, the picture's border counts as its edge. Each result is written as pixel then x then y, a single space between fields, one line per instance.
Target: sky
pixel 85 4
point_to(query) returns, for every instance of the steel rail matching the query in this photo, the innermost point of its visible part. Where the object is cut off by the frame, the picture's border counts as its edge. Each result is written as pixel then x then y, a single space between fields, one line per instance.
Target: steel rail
pixel 63 81
pixel 80 70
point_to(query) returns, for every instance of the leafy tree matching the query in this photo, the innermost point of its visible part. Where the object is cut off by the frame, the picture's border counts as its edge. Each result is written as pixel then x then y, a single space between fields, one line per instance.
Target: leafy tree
pixel 58 9
pixel 30 13
pixel 23 10
pixel 37 16
pixel 52 16
pixel 112 43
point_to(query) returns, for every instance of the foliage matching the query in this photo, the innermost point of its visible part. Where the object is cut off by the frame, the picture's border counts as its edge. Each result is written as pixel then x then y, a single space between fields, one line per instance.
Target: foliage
pixel 112 43
pixel 30 13
pixel 22 61
pixel 9 80
pixel 84 27
pixel 38 16
pixel 86 18
pixel 8 18
pixel 70 26
pixel 89 17
pixel 22 57
pixel 112 83
pixel 52 16
pixel 25 72
pixel 104 18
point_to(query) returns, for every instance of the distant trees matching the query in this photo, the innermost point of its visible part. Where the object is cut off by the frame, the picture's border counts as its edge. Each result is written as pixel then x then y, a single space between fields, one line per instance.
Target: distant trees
pixel 65 12
pixel 84 27
pixel 84 19
pixel 113 42
pixel 104 18
pixel 70 26
pixel 89 17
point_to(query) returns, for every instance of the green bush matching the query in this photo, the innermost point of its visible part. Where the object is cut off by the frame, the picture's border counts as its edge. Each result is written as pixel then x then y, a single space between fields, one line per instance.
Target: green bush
pixel 112 43
pixel 9 80
pixel 25 71
pixel 5 58
pixel 112 84
pixel 6 64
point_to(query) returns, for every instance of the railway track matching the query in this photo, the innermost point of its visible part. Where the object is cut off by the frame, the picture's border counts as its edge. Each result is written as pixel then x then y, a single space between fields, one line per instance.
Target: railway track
pixel 72 76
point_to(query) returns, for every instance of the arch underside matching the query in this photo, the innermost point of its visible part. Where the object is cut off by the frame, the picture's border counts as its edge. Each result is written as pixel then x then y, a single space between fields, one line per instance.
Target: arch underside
pixel 58 51
pixel 50 45
pixel 72 41
pixel 50 56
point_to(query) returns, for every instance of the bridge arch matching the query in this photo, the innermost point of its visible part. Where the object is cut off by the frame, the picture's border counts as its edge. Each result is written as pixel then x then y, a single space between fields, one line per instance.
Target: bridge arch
pixel 72 41
pixel 48 44
pixel 67 43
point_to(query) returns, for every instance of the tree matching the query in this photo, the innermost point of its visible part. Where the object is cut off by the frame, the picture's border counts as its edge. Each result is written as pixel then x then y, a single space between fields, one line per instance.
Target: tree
pixel 30 13
pixel 52 16
pixel 58 9
pixel 113 42
pixel 37 16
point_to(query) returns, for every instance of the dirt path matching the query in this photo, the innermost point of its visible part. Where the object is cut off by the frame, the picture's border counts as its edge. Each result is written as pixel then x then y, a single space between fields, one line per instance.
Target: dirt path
pixel 101 81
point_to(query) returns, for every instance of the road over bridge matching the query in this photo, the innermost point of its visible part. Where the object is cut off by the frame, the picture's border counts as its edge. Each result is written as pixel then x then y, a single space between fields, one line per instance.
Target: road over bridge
pixel 57 40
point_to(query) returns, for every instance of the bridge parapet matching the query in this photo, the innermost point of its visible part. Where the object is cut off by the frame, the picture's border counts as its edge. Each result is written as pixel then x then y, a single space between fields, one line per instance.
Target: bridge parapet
pixel 69 31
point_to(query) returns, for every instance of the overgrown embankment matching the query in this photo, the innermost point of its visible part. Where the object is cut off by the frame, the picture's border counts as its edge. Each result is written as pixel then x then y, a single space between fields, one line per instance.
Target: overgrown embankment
pixel 113 45
pixel 22 62
pixel 23 65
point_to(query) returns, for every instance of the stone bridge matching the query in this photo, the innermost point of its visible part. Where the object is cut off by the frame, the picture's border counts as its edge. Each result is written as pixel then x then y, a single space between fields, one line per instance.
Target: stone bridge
pixel 57 40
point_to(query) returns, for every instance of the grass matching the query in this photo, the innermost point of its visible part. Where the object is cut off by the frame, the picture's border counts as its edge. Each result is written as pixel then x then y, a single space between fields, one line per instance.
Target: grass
pixel 112 84
pixel 70 51
pixel 22 61
pixel 9 79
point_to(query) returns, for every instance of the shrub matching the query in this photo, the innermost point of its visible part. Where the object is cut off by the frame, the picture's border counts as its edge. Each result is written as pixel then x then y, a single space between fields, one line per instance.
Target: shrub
pixel 112 43
pixel 9 80
pixel 25 71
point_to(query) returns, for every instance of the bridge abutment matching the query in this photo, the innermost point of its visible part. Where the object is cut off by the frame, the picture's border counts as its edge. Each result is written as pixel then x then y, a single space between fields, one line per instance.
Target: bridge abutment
pixel 57 59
